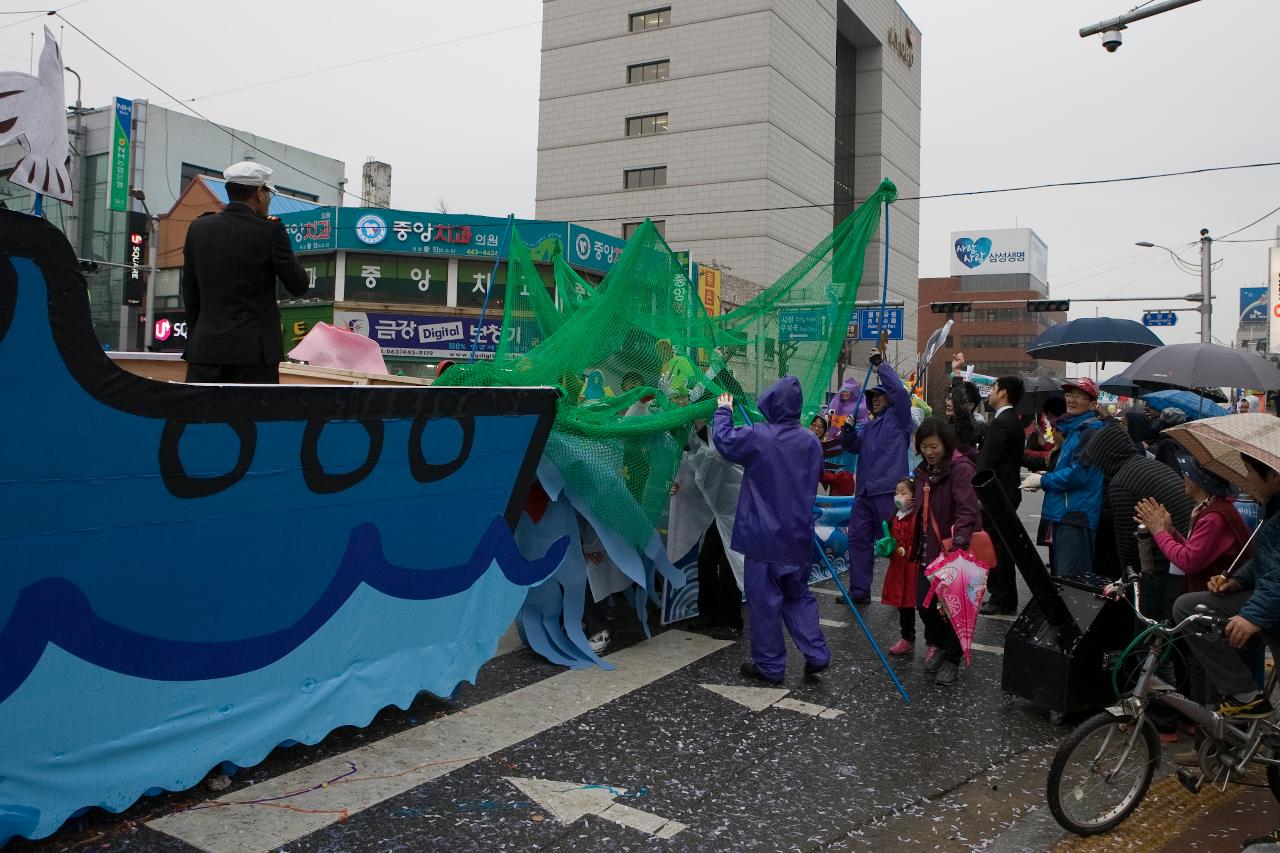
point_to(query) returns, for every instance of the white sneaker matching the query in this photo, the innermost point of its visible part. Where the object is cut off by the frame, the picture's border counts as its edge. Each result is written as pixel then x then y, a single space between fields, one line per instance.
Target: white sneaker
pixel 598 642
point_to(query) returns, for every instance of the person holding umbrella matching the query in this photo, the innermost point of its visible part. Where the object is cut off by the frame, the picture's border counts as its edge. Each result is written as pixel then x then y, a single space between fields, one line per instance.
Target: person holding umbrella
pixel 1249 598
pixel 1073 489
pixel 947 519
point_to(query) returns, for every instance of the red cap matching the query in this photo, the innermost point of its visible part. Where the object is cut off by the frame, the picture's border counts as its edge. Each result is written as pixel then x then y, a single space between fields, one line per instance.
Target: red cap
pixel 1085 384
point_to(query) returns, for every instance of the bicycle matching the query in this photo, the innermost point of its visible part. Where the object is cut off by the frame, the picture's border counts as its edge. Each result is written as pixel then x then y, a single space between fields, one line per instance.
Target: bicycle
pixel 1102 771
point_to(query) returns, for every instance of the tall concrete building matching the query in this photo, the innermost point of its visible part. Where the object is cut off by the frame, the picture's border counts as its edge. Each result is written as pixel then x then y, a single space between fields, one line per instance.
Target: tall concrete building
pixel 789 112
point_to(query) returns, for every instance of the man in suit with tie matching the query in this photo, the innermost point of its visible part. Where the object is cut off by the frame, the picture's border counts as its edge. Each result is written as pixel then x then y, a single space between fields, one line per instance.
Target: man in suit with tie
pixel 232 261
pixel 1001 452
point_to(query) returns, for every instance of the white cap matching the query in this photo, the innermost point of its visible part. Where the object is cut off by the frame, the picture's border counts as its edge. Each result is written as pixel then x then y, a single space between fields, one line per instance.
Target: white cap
pixel 248 173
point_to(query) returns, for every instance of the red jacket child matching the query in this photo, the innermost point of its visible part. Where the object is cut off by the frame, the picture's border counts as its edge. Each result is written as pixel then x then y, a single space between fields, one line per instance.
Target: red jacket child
pixel 900 579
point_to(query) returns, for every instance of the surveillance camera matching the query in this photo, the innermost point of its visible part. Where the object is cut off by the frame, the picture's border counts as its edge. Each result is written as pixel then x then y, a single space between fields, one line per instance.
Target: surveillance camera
pixel 1112 39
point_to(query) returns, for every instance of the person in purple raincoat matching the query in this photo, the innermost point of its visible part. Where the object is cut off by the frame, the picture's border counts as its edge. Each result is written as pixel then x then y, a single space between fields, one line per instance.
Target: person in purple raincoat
pixel 848 406
pixel 881 446
pixel 773 527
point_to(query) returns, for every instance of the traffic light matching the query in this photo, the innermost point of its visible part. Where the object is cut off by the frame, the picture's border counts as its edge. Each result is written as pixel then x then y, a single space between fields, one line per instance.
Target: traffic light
pixel 951 307
pixel 1041 305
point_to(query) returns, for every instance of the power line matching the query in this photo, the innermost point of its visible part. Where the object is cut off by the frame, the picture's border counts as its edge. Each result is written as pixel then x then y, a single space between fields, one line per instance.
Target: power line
pixel 202 116
pixel 38 13
pixel 1251 224
pixel 1024 188
pixel 355 62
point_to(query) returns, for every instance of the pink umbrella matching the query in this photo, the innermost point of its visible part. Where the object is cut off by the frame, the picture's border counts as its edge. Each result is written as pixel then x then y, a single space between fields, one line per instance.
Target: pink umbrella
pixel 959 579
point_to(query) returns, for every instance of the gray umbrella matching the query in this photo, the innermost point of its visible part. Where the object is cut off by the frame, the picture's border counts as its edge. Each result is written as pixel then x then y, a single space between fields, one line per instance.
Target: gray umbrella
pixel 1203 366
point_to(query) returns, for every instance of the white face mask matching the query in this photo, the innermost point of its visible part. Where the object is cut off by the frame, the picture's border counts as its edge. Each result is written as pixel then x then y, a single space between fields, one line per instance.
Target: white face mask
pixel 903 504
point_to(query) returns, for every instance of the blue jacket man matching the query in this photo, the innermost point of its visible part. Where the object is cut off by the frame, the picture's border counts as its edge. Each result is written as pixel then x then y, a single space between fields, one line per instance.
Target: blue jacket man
pixel 1073 489
pixel 881 446
pixel 773 527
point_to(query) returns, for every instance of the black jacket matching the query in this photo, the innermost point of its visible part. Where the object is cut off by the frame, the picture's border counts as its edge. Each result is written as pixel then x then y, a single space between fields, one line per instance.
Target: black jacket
pixel 1130 477
pixel 1002 447
pixel 233 259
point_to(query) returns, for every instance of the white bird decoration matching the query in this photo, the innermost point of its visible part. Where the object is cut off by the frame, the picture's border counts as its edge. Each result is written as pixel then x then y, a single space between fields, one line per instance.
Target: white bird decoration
pixel 33 112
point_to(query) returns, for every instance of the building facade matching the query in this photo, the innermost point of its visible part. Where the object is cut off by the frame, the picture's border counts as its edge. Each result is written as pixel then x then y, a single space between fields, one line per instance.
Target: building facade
pixel 168 150
pixel 993 338
pixel 421 285
pixel 744 128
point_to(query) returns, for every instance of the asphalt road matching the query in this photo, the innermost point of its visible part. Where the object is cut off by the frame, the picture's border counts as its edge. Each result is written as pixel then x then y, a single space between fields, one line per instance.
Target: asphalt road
pixel 663 754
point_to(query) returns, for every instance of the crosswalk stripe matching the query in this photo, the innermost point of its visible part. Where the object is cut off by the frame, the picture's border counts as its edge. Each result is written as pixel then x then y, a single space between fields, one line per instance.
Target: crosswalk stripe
pixel 983 647
pixel 393 765
pixel 833 623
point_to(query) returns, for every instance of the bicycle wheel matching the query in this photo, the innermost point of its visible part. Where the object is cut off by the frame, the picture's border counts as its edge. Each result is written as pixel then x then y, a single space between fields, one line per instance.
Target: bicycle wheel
pixel 1090 789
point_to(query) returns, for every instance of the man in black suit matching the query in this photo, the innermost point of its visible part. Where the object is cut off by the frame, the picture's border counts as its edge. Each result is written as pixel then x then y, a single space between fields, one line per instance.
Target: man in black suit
pixel 1001 452
pixel 233 259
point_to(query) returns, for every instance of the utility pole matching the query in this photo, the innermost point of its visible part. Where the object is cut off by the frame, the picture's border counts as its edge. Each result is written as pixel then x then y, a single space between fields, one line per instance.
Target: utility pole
pixel 1206 287
pixel 77 153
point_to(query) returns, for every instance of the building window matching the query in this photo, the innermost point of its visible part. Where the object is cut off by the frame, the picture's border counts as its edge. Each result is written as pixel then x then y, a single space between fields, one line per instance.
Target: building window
pixel 643 179
pixel 1007 315
pixel 654 19
pixel 647 125
pixel 190 172
pixel 629 228
pixel 649 72
pixel 1010 341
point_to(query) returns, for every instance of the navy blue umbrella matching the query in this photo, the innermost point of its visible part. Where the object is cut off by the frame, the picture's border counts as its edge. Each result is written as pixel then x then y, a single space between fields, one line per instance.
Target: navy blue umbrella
pixel 1120 385
pixel 1094 339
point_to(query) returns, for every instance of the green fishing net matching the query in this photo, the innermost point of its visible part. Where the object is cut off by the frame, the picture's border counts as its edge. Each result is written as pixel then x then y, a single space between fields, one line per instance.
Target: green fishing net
pixel 639 360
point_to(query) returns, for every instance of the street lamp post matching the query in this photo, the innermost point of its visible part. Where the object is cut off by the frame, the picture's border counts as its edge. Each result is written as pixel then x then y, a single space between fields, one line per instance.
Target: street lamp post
pixel 1206 279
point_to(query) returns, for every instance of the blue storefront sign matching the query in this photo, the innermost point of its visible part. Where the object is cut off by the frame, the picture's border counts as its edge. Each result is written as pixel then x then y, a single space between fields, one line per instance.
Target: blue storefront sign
pixel 872 320
pixel 365 229
pixel 425 335
pixel 1253 305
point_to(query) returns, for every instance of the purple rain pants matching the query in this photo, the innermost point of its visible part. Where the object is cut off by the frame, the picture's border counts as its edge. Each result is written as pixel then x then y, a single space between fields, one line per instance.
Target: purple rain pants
pixel 778 593
pixel 864 529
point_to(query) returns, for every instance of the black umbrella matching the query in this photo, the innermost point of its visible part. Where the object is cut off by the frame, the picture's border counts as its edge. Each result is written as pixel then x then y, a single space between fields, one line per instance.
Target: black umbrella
pixel 1203 366
pixel 1037 389
pixel 1094 339
pixel 1120 385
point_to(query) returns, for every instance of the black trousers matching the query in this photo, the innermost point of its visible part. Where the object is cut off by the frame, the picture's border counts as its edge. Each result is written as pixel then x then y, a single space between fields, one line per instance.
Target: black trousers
pixel 938 632
pixel 237 374
pixel 719 599
pixel 1002 582
pixel 595 616
pixel 907 623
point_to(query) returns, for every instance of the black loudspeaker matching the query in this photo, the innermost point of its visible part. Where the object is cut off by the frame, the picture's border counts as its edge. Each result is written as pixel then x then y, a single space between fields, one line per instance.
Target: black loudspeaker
pixel 1058 652
pixel 1067 668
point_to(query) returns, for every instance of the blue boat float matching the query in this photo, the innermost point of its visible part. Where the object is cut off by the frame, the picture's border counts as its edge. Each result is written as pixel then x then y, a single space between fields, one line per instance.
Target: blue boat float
pixel 196 574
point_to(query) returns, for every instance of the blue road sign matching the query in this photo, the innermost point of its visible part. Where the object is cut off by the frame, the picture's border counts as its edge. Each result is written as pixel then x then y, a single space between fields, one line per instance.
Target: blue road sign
pixel 1159 318
pixel 871 320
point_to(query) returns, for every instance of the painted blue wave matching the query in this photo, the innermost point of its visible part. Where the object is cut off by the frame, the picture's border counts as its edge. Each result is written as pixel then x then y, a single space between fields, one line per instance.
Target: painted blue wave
pixel 55 611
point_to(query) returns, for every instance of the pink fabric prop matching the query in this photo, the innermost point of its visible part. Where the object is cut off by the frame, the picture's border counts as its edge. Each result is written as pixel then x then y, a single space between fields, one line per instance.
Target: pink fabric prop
pixel 959 579
pixel 329 346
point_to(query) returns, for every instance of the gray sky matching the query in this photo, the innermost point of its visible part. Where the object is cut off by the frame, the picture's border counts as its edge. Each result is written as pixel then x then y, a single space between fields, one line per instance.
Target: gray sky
pixel 1011 96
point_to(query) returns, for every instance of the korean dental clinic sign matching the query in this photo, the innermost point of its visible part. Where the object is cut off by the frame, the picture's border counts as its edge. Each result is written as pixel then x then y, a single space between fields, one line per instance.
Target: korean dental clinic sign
pixel 365 229
pixel 998 252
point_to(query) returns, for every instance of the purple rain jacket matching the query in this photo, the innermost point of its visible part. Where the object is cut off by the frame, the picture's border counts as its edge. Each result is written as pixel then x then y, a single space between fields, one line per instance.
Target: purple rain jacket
pixel 781 462
pixel 881 445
